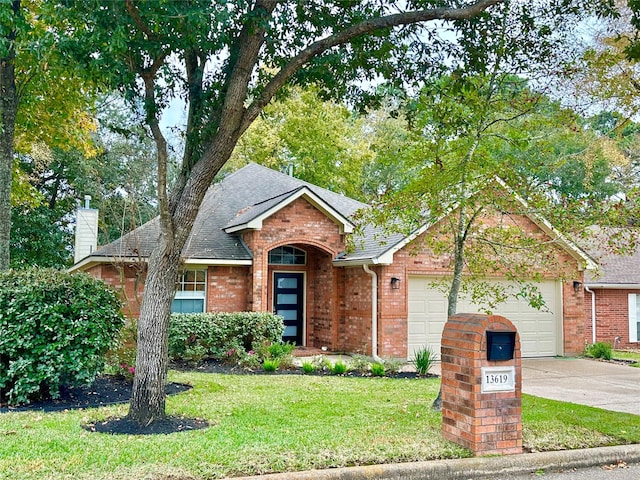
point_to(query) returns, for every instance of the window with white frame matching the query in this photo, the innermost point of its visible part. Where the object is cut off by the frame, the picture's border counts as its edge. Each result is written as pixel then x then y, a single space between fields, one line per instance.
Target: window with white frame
pixel 191 290
pixel 634 317
pixel 287 255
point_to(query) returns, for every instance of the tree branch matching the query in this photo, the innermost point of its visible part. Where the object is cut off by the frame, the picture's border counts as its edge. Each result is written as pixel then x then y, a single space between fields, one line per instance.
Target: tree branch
pixel 137 19
pixel 349 33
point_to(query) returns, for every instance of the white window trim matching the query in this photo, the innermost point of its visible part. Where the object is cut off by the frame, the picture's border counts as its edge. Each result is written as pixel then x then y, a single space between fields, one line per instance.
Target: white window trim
pixel 194 294
pixel 633 317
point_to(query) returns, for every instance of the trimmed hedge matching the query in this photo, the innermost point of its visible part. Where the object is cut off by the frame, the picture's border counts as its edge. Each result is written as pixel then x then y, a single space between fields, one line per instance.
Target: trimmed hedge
pixel 55 329
pixel 194 336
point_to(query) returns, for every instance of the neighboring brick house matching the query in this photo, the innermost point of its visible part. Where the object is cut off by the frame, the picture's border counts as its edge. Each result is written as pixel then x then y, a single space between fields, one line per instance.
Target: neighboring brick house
pixel 267 241
pixel 612 301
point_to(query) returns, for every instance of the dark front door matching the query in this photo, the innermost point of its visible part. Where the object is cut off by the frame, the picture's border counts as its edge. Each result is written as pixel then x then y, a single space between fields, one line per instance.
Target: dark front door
pixel 288 301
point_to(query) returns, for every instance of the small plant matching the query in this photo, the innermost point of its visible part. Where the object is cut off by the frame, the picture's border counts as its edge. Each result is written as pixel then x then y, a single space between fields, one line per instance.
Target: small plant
pixel 280 349
pixel 270 365
pixel 308 367
pixel 121 359
pixel 599 350
pixel 322 363
pixel 377 369
pixel 392 365
pixel 249 360
pixel 423 360
pixel 360 363
pixel 339 368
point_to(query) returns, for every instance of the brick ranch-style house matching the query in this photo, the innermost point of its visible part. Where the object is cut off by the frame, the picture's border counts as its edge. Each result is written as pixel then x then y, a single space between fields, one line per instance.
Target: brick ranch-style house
pixel 267 241
pixel 612 300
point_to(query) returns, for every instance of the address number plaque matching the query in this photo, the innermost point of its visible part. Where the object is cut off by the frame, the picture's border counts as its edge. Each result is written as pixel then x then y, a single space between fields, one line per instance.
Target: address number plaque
pixel 498 379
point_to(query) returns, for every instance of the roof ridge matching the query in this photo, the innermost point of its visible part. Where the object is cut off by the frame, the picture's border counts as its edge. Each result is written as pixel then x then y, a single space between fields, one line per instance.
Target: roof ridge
pixel 283 194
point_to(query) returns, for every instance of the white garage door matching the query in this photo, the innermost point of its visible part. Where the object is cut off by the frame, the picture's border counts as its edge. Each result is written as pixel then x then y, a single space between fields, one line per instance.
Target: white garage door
pixel 540 330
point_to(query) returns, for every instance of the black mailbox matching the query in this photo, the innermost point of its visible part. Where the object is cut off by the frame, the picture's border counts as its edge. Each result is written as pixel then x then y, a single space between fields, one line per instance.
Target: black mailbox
pixel 500 345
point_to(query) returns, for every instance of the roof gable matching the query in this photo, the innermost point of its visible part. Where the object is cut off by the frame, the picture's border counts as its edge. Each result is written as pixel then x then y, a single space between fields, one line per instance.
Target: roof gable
pixel 252 217
pixel 241 200
pixel 367 252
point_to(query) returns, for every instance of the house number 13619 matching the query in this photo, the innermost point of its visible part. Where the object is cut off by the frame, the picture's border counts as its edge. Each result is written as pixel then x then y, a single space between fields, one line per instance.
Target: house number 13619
pixel 498 379
pixel 494 378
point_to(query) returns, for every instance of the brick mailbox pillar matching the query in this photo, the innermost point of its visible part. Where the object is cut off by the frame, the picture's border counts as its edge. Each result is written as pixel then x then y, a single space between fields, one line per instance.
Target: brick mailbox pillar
pixel 482 384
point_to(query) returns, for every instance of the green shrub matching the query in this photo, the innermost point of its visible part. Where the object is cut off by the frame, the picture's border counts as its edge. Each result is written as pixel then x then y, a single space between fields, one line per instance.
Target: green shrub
pixel 423 360
pixel 339 368
pixel 321 362
pixel 270 365
pixel 308 367
pixel 392 365
pixel 55 329
pixel 279 349
pixel 599 350
pixel 225 336
pixel 360 363
pixel 377 369
pixel 121 359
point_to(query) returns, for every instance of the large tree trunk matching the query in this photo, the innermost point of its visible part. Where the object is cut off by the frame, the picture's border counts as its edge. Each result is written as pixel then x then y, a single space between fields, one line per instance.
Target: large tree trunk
pixel 8 112
pixel 148 395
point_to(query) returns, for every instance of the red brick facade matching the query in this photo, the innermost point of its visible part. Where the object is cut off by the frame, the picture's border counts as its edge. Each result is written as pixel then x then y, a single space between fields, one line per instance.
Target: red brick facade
pixel 612 317
pixel 338 299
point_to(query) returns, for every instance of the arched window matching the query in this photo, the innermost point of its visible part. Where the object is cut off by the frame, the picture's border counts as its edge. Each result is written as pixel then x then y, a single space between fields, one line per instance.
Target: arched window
pixel 287 255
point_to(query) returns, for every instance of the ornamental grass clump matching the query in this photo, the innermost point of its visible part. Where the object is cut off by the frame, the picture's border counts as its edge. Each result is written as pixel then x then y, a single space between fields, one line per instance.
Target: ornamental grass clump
pixel 377 369
pixel 339 368
pixel 55 329
pixel 270 365
pixel 423 360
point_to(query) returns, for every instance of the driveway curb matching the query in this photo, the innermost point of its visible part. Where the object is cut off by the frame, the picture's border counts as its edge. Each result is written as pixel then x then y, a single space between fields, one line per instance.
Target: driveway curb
pixel 470 468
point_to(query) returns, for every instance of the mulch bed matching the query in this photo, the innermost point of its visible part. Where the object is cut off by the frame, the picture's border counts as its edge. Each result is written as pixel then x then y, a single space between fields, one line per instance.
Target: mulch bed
pixel 112 390
pixel 105 390
pixel 215 366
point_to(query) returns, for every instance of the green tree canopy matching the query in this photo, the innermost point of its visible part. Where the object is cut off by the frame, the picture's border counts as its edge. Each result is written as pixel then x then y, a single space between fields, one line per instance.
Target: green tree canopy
pixel 44 100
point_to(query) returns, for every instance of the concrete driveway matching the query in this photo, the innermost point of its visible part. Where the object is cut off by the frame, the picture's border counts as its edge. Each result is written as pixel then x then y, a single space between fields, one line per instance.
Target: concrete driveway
pixel 586 382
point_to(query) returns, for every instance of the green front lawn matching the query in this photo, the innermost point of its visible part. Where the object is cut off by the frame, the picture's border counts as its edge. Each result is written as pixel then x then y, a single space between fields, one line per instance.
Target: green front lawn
pixel 266 423
pixel 629 355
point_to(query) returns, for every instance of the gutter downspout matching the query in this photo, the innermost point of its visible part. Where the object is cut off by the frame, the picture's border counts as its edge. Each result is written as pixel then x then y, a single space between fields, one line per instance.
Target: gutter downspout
pixel 593 313
pixel 374 312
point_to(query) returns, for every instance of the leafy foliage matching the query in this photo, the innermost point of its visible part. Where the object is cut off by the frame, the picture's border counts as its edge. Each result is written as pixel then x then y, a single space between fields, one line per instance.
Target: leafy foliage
pixel 599 350
pixel 339 368
pixel 55 329
pixel 270 364
pixel 377 369
pixel 121 359
pixel 194 336
pixel 119 179
pixel 308 367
